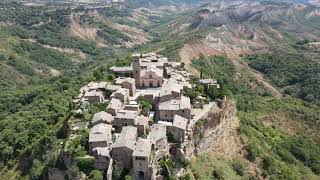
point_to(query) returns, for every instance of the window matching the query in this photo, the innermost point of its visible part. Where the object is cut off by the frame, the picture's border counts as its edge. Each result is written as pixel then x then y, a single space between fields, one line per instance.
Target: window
pixel 150 76
pixel 140 158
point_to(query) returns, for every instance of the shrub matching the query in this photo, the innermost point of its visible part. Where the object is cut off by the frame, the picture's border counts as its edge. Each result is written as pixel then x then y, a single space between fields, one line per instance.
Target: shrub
pixel 85 164
pixel 252 152
pixel 238 166
pixel 96 175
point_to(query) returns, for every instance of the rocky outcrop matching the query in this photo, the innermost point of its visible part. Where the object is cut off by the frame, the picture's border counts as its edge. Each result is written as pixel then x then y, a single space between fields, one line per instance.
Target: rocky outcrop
pixel 207 132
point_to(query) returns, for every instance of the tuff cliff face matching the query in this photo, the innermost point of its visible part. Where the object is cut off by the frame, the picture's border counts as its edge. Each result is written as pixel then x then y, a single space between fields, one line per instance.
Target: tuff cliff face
pixel 208 131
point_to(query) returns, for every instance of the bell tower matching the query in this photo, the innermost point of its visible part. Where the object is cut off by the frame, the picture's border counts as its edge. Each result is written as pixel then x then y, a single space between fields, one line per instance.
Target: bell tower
pixel 136 69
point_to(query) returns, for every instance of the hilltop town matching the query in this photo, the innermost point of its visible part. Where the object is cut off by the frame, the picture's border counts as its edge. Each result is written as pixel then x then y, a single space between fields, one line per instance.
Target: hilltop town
pixel 150 115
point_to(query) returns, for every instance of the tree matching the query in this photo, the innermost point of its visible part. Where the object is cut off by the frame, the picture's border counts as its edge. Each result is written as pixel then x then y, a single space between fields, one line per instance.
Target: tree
pixel 238 166
pixel 200 89
pixel 98 75
pixel 192 94
pixel 214 93
pixel 96 175
pixel 85 164
pixel 36 170
pixel 145 105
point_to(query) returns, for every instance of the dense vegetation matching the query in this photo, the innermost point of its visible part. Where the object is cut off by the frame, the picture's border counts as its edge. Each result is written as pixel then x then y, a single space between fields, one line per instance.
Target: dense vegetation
pixel 297 73
pixel 282 133
pixel 31 120
pixel 36 105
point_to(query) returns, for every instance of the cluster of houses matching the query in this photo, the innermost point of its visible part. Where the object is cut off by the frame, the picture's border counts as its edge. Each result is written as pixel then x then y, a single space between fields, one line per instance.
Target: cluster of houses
pixel 121 135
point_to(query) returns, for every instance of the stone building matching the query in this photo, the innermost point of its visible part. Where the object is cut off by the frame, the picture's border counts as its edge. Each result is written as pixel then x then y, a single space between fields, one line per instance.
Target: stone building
pixel 114 106
pixel 207 83
pixel 169 91
pixel 124 146
pixel 149 70
pixel 121 94
pixel 168 109
pixel 158 138
pixel 102 157
pixel 102 117
pixel 127 83
pixel 151 77
pixel 132 107
pixel 125 118
pixel 142 124
pixel 141 158
pixel 94 96
pixel 126 70
pixel 178 129
pixel 100 136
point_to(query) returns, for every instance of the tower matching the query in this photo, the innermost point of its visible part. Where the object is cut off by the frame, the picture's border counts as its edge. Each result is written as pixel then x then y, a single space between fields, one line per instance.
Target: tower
pixel 136 69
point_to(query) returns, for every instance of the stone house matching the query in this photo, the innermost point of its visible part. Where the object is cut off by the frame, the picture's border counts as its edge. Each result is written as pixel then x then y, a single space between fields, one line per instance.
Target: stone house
pixel 158 137
pixel 170 90
pixel 126 70
pixel 132 107
pixel 124 146
pixel 102 157
pixel 168 109
pixel 125 118
pixel 114 106
pixel 178 129
pixel 142 124
pixel 100 136
pixel 208 83
pixel 102 117
pixel 94 96
pixel 141 158
pixel 121 94
pixel 127 83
